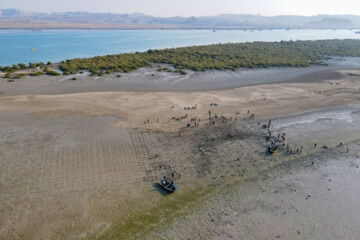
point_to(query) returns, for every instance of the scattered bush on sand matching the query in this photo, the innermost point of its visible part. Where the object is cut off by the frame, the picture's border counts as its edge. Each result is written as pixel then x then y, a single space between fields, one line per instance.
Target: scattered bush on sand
pixel 18 76
pixel 182 72
pixel 34 74
pixel 51 72
pixel 8 75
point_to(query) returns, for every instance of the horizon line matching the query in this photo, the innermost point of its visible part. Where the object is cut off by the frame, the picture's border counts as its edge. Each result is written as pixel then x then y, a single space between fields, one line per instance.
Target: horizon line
pixel 173 16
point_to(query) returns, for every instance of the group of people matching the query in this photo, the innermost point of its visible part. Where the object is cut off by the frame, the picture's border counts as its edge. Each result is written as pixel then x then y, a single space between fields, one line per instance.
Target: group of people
pixel 252 116
pixel 280 138
pixel 221 118
pixel 291 151
pixel 172 172
pixel 191 108
pixel 148 120
pixel 196 124
pixel 180 118
pixel 196 121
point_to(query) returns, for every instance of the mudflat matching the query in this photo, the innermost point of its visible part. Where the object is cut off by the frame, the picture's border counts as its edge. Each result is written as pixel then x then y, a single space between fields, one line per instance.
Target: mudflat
pixel 82 158
pixel 151 80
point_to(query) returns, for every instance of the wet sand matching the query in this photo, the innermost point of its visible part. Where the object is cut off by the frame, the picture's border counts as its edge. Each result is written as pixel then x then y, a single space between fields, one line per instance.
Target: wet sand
pixel 313 202
pixel 149 79
pixel 308 195
pixel 85 165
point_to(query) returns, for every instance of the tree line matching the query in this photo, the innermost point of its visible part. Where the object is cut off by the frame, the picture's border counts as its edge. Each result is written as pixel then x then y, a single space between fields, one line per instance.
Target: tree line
pixel 222 56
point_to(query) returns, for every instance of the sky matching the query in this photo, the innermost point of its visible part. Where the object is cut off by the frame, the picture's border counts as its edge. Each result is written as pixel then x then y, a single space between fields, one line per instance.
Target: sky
pixel 186 8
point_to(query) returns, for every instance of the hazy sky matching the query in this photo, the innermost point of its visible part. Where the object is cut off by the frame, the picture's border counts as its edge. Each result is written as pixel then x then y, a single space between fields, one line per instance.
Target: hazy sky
pixel 191 7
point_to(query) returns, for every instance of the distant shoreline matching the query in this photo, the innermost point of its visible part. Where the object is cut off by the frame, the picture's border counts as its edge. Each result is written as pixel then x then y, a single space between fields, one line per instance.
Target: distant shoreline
pixel 91 26
pixel 15 25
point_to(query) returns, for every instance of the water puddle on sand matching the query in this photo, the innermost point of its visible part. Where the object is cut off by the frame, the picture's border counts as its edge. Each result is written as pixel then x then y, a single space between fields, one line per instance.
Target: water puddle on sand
pixel 323 127
pixel 335 116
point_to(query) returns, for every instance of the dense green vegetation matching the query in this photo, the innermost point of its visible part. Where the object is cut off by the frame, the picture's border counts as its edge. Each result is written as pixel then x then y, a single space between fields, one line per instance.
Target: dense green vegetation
pixel 218 56
pixel 221 56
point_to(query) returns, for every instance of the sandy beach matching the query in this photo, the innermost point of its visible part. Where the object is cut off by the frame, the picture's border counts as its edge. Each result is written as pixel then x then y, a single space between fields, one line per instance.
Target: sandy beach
pixel 80 159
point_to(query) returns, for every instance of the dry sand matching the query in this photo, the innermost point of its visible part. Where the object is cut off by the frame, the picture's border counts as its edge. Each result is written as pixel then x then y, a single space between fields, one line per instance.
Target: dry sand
pixel 78 163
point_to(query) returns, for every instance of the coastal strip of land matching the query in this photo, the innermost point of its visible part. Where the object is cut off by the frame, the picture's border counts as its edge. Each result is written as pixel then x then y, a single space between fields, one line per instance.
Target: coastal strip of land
pixel 230 56
pixel 45 25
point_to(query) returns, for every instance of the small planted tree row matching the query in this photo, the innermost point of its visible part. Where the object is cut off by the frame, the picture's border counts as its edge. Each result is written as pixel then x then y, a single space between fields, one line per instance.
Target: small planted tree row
pixel 23 66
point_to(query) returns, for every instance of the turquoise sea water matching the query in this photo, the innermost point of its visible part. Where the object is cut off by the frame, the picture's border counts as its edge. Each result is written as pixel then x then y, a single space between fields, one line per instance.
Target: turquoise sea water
pixel 57 45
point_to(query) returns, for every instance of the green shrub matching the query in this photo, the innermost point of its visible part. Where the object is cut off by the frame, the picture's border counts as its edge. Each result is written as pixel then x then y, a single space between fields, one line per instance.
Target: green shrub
pixel 74 78
pixel 40 64
pixel 15 67
pixel 34 74
pixel 164 69
pixel 32 65
pixel 182 72
pixel 22 66
pixel 18 76
pixel 8 75
pixel 51 72
pixel 8 69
